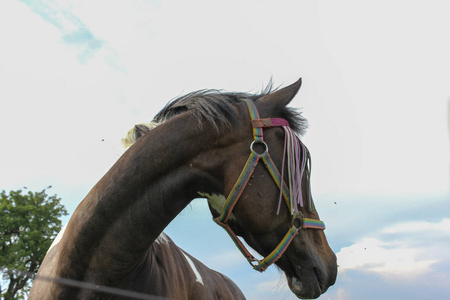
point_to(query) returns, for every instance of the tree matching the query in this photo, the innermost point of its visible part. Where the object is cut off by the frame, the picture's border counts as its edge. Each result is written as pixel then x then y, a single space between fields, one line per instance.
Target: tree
pixel 28 225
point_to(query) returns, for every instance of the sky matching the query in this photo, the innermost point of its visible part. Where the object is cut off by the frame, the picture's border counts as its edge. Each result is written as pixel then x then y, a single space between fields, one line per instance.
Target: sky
pixel 75 76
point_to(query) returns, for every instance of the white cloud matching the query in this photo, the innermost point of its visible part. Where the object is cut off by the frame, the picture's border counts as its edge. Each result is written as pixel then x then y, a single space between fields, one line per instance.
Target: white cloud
pixel 442 227
pixel 158 59
pixel 407 249
pixel 385 258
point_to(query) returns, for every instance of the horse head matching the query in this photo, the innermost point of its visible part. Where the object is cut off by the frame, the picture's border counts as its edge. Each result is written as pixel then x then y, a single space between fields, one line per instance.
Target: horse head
pixel 263 194
pixel 255 172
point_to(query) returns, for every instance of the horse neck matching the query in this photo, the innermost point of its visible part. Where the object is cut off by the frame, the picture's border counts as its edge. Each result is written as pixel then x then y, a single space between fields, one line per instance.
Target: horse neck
pixel 112 229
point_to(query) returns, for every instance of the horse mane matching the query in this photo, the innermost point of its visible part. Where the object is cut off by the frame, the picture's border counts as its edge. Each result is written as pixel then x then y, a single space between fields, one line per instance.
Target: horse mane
pixel 215 108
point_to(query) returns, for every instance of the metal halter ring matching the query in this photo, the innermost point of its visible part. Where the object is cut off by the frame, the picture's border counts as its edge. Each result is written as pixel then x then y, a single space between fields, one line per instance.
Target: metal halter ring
pixel 261 143
pixel 297 220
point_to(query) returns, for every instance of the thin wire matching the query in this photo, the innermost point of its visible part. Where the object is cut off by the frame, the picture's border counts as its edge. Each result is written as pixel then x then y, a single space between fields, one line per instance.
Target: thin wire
pixel 84 285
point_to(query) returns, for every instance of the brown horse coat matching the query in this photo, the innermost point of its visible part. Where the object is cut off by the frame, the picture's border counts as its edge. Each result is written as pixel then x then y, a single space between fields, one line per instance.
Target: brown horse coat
pixel 166 270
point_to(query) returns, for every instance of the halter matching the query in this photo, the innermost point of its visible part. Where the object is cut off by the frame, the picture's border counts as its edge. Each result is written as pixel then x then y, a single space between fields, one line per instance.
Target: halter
pixel 298 166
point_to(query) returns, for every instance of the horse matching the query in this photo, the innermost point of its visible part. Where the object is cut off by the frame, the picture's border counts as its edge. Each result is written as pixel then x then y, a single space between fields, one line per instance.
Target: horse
pixel 243 153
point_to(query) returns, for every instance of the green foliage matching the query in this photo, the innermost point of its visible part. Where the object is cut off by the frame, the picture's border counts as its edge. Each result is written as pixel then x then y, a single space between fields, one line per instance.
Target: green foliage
pixel 28 225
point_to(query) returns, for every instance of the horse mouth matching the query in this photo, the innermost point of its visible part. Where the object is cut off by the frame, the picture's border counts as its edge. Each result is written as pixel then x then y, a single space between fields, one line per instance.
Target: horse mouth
pixel 306 289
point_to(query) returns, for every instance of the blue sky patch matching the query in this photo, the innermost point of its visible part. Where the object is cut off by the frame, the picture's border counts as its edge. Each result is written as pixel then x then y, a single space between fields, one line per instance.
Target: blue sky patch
pixel 73 31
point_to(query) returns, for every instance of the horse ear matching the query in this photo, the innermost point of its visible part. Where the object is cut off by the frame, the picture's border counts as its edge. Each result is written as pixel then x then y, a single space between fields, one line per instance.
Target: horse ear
pixel 282 97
